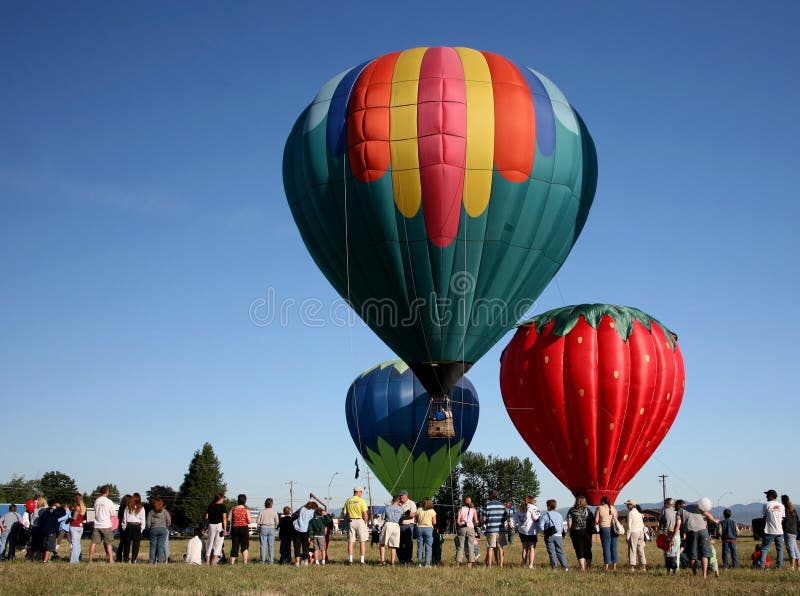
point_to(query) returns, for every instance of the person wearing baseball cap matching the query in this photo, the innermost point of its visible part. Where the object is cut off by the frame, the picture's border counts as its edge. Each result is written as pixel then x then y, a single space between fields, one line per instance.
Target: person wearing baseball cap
pixel 774 512
pixel 407 522
pixel 356 511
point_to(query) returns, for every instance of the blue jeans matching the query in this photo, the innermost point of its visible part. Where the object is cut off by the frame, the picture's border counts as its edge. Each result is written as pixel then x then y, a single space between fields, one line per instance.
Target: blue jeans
pixel 158 543
pixel 424 544
pixel 555 549
pixel 609 542
pixel 75 534
pixel 791 546
pixel 266 539
pixel 765 543
pixel 3 540
pixel 729 551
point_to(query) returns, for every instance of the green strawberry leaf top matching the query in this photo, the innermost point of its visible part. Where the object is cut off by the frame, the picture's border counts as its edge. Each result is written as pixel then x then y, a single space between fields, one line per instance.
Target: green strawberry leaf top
pixel 566 317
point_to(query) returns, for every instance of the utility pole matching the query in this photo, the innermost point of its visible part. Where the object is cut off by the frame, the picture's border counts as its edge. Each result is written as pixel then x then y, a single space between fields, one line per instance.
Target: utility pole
pixel 663 480
pixel 369 492
pixel 291 484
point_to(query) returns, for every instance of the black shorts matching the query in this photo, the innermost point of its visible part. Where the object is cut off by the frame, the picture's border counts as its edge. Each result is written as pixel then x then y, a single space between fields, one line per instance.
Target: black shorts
pixel 50 543
pixel 582 543
pixel 529 539
pixel 240 540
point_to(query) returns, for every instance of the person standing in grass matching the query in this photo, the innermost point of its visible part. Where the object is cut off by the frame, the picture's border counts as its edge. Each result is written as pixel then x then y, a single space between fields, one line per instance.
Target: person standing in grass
pixel 267 522
pixel 691 520
pixel 635 535
pixel 495 518
pixel 426 519
pixel 550 525
pixel 217 519
pixel 604 517
pixel 158 522
pixel 286 535
pixel 7 525
pixel 302 517
pixel 729 533
pixel 774 512
pixel 124 547
pixel 579 518
pixel 240 529
pixel 76 527
pixel 466 521
pixel 666 524
pixel 524 520
pixel 133 521
pixel 355 510
pixel 409 507
pixel 790 531
pixel 102 532
pixel 317 529
pixel 390 531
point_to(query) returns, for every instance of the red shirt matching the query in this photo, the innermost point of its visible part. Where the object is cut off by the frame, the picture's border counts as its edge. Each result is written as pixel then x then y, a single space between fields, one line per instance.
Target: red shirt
pixel 239 516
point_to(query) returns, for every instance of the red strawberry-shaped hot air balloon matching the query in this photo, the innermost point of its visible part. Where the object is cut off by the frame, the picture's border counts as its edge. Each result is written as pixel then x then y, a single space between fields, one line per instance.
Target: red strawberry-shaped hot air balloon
pixel 593 389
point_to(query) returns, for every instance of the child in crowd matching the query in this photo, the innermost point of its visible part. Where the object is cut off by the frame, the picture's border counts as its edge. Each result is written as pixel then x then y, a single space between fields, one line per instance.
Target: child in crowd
pixel 712 561
pixel 285 535
pixel 316 534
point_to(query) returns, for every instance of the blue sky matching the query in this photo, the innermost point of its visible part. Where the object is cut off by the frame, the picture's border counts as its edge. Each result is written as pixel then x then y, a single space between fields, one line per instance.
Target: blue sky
pixel 142 213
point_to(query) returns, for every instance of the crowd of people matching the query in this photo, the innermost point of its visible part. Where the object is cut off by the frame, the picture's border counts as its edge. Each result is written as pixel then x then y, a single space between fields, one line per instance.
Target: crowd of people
pixel 305 533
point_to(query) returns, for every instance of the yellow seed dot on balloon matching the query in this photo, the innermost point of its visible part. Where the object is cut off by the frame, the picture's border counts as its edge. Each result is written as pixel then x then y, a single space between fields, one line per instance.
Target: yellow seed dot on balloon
pixel 553 411
pixel 580 392
pixel 641 411
pixel 616 374
pixel 586 442
pixel 580 339
pixel 546 359
pixel 668 396
pixel 625 457
pixel 611 324
pixel 611 426
pixel 605 470
pixel 647 357
pixel 666 343
pixel 520 382
pixel 537 430
pixel 647 444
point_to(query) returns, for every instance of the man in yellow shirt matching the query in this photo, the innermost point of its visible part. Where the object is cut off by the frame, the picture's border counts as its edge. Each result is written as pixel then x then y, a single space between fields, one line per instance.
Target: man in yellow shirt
pixel 355 510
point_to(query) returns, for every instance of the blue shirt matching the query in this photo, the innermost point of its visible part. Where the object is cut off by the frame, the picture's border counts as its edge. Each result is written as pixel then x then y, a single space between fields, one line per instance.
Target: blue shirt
pixel 496 514
pixel 551 518
pixel 304 515
pixel 393 513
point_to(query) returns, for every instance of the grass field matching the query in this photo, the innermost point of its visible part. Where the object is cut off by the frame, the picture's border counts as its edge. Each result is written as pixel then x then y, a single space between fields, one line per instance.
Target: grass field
pixel 58 577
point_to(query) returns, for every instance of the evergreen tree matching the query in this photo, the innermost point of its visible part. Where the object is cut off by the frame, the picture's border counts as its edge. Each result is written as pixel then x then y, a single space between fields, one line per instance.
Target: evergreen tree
pixel 18 490
pixel 200 483
pixel 57 485
pixel 165 493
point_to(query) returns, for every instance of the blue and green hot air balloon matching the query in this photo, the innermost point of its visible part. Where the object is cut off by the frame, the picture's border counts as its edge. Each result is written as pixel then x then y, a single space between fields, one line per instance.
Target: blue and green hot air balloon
pixel 387 415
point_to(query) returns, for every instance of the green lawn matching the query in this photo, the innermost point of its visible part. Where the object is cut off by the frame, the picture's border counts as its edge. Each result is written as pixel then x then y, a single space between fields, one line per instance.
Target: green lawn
pixel 24 577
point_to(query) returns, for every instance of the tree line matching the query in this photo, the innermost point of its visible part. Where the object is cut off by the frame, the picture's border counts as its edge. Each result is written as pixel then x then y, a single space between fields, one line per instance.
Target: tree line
pixel 187 505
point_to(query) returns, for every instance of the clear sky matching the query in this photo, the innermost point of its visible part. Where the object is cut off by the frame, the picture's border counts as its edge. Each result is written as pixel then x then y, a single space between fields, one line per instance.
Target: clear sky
pixel 142 213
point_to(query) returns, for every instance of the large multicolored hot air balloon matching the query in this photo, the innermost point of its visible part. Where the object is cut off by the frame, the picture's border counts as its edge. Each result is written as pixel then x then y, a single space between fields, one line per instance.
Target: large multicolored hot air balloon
pixel 439 190
pixel 593 389
pixel 387 414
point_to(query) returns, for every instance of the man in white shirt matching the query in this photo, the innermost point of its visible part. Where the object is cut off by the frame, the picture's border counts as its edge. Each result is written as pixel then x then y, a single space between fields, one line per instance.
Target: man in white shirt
pixel 104 509
pixel 774 512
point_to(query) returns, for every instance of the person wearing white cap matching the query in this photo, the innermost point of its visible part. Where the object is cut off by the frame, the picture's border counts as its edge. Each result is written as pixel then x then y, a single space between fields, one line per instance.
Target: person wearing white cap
pixel 355 510
pixel 635 536
pixel 774 512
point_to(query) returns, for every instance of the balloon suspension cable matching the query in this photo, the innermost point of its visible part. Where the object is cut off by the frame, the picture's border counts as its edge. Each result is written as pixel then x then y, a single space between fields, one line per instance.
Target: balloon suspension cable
pixel 349 302
pixel 422 427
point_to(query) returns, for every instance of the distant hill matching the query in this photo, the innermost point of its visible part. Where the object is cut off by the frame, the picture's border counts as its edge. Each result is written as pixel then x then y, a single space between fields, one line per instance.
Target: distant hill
pixel 743 514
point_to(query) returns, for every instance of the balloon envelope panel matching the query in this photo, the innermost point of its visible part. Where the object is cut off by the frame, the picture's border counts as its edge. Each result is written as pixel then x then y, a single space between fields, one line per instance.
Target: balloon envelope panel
pixel 439 190
pixel 387 416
